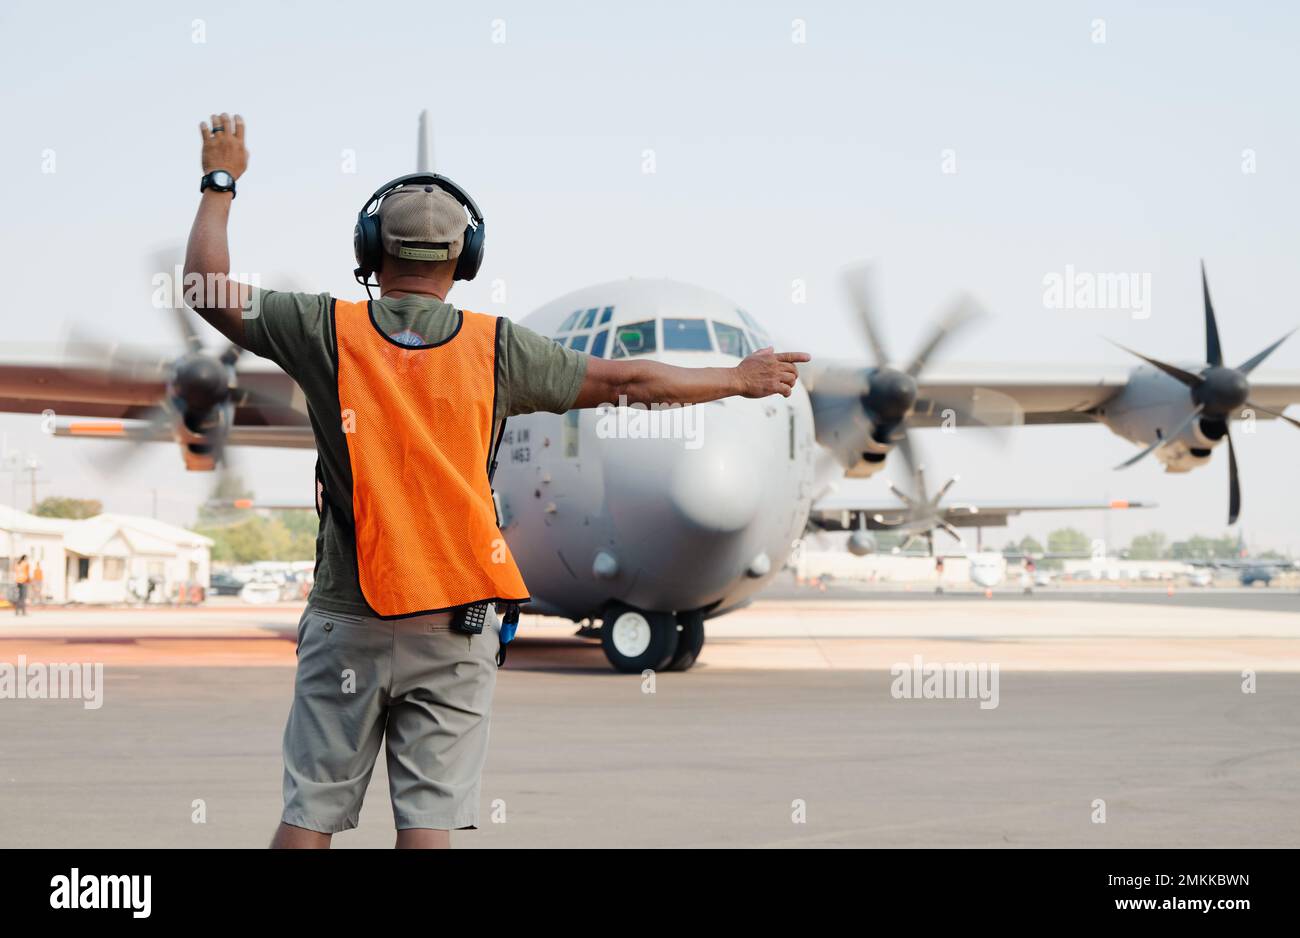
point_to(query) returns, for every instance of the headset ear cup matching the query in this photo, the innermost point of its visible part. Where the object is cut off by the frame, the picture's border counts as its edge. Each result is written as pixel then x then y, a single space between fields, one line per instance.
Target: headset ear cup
pixel 471 253
pixel 366 244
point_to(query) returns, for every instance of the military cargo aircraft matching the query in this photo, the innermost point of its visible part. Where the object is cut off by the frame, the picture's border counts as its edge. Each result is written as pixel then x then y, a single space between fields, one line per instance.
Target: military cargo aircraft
pixel 654 520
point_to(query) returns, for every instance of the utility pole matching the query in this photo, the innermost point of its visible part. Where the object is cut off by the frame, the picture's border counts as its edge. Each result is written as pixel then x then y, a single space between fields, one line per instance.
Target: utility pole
pixel 31 468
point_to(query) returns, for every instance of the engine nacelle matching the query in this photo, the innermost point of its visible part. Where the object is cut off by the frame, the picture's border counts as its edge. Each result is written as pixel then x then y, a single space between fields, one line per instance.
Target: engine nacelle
pixel 1153 404
pixel 862 544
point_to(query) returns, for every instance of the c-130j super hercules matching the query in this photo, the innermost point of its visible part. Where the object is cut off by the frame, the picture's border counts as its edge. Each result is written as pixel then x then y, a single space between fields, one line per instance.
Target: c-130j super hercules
pixel 651 531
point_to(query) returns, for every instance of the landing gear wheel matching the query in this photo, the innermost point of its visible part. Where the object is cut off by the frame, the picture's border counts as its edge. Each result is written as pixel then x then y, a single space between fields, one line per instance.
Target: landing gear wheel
pixel 635 641
pixel 690 640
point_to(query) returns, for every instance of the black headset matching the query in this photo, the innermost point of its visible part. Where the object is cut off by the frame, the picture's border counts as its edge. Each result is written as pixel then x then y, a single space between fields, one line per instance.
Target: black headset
pixel 369 248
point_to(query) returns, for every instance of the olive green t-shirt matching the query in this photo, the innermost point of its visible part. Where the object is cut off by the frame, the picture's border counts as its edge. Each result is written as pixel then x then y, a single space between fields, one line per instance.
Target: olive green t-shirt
pixel 295 330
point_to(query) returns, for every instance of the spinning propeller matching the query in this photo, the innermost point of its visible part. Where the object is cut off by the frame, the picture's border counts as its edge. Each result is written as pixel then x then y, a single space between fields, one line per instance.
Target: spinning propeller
pixel 1215 393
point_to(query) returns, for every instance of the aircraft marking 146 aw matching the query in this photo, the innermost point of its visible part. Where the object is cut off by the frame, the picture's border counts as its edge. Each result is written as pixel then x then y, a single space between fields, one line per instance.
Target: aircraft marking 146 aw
pixel 655 521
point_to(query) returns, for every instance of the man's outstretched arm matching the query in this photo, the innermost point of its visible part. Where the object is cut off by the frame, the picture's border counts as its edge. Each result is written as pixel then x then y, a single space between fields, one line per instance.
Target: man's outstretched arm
pixel 209 291
pixel 640 381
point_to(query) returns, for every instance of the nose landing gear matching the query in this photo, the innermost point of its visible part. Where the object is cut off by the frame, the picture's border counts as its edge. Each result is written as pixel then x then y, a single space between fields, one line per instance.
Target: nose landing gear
pixel 636 640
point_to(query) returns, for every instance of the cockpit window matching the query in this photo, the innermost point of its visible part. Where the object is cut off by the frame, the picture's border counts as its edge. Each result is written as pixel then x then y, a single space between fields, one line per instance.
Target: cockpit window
pixel 732 340
pixel 588 319
pixel 598 343
pixel 604 316
pixel 579 343
pixel 634 338
pixel 760 334
pixel 687 335
pixel 568 323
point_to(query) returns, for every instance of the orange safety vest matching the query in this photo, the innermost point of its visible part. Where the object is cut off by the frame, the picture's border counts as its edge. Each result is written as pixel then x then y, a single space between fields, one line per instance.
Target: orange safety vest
pixel 418 425
pixel 22 572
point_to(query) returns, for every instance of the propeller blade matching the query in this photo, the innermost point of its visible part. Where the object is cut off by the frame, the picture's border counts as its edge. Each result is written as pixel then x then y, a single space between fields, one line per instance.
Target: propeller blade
pixel 123 454
pixel 189 334
pixel 1178 374
pixel 961 311
pixel 1234 485
pixel 901 495
pixel 1187 422
pixel 952 532
pixel 1213 351
pixel 943 491
pixel 169 262
pixel 904 446
pixel 920 485
pixel 1251 364
pixel 857 280
pixel 1273 413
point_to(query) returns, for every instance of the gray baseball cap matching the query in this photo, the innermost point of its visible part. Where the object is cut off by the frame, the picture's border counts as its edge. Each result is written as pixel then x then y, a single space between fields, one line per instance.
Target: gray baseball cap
pixel 422 223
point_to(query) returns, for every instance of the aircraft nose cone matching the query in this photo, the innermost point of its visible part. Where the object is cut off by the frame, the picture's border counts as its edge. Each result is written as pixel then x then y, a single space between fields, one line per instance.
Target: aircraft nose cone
pixel 713 491
pixel 708 481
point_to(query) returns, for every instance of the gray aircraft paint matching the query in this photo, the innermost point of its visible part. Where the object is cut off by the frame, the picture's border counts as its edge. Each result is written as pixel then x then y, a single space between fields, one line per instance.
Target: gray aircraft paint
pixel 684 528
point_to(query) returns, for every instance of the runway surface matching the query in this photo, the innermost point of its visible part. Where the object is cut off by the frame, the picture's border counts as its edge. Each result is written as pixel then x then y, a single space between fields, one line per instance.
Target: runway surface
pixel 786 734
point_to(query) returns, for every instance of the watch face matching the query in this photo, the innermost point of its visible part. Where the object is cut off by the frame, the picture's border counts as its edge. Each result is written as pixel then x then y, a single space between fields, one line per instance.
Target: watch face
pixel 222 178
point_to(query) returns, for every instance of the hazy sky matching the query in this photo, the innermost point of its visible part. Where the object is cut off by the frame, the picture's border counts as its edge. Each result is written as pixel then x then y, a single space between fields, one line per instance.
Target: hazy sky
pixel 775 161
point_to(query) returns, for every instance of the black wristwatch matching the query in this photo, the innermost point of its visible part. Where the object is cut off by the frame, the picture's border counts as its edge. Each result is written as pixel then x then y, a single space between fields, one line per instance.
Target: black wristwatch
pixel 220 180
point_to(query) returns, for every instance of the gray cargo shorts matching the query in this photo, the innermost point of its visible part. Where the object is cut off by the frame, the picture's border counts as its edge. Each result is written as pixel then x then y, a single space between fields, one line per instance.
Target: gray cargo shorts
pixel 423 690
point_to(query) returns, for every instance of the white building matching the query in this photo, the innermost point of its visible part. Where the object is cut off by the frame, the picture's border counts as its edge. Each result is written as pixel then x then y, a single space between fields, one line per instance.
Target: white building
pixel 109 558
pixel 41 539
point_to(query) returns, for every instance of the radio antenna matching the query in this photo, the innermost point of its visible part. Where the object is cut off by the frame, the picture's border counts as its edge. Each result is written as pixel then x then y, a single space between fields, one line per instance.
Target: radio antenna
pixel 424 146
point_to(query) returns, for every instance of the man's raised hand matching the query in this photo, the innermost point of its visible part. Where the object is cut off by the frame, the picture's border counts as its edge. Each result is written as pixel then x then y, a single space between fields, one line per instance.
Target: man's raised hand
pixel 769 372
pixel 223 144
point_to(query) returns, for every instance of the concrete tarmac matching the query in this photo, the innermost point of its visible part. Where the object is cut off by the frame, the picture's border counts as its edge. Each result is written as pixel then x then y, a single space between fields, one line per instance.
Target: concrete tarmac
pixel 786 734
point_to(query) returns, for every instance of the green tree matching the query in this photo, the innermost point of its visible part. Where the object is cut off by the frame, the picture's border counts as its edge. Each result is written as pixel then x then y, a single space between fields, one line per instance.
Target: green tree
pixel 58 506
pixel 246 535
pixel 302 526
pixel 1200 547
pixel 1150 546
pixel 256 538
pixel 1069 541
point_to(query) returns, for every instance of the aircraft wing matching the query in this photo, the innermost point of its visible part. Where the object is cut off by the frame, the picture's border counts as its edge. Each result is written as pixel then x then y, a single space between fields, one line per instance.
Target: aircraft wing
pixel 1012 394
pixel 1274 390
pixel 84 389
pixel 844 512
pixel 131 386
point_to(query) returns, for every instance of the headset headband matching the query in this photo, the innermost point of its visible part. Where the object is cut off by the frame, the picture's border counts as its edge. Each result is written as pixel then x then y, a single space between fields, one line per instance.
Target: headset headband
pixel 442 182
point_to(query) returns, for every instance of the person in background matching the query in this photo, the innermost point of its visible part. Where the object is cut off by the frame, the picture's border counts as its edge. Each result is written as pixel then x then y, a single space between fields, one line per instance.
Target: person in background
pixel 22 577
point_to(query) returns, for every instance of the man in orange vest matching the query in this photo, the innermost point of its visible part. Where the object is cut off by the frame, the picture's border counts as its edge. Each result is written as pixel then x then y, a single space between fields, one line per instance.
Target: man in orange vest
pixel 407 395
pixel 22 576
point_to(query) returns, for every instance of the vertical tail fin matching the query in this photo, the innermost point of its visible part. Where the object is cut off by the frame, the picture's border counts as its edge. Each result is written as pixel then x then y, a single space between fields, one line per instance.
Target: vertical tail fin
pixel 424 146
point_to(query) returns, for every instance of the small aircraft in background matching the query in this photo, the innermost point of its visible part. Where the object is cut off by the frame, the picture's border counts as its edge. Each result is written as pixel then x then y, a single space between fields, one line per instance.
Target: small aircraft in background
pixel 1250 570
